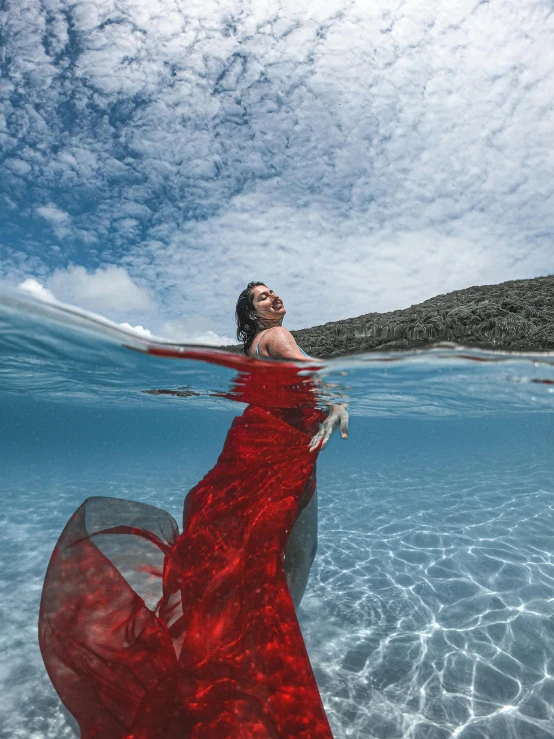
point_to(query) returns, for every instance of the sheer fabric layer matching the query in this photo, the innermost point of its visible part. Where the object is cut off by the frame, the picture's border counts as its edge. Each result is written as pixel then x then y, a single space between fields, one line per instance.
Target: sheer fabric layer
pixel 147 634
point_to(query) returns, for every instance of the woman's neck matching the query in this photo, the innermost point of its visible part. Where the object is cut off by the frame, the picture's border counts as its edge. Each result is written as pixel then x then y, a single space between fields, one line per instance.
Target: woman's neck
pixel 268 323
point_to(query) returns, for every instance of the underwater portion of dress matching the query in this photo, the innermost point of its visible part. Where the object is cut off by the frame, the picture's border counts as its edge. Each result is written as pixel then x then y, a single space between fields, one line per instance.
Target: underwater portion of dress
pixel 148 634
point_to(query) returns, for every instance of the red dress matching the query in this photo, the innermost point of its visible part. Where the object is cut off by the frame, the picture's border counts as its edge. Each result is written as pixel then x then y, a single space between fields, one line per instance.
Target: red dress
pixel 148 634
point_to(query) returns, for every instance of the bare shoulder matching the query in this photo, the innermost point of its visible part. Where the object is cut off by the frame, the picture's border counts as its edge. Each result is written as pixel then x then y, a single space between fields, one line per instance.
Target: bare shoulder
pixel 279 335
pixel 280 343
pixel 279 332
pixel 274 337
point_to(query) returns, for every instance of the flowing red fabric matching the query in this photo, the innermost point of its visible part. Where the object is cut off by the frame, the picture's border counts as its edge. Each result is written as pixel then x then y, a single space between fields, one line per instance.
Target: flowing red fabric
pixel 148 634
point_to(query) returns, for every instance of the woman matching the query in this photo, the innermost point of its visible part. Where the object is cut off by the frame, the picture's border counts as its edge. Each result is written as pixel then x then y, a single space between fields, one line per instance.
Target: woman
pixel 148 634
pixel 259 315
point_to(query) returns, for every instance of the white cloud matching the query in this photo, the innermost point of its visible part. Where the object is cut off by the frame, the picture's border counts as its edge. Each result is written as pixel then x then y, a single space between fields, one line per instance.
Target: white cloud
pixel 209 338
pixel 139 330
pixel 212 339
pixel 184 330
pixel 34 287
pixel 53 214
pixel 109 290
pixel 18 166
pixel 59 220
pixel 325 266
pixel 192 327
pixel 385 152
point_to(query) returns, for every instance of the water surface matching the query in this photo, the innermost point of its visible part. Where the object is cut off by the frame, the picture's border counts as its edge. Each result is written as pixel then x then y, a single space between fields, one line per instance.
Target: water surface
pixel 430 607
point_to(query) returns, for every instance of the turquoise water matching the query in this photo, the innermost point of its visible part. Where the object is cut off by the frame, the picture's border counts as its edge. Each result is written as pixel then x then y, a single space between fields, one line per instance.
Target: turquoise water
pixel 430 607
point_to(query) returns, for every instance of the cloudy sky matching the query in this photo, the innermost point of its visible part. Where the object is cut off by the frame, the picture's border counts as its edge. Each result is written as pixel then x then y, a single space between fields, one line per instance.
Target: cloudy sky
pixel 357 155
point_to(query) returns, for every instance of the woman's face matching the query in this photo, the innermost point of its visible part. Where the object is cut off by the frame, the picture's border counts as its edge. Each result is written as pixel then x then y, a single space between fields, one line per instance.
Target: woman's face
pixel 267 305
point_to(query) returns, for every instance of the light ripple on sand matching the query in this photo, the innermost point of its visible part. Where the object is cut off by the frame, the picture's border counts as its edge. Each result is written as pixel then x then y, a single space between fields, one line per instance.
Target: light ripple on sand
pixel 434 618
pixel 429 614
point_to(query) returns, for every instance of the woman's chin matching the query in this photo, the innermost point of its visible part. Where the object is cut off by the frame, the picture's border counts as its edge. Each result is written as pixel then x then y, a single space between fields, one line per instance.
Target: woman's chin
pixel 275 315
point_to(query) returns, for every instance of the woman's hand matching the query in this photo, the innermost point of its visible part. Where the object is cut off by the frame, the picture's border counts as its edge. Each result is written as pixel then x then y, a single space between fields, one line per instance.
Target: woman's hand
pixel 338 416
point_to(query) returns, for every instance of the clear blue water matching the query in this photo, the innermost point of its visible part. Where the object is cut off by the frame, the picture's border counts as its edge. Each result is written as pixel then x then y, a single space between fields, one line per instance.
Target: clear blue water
pixel 430 607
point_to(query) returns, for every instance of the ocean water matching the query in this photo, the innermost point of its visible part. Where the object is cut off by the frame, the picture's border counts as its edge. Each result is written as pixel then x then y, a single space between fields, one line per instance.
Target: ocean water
pixel 430 607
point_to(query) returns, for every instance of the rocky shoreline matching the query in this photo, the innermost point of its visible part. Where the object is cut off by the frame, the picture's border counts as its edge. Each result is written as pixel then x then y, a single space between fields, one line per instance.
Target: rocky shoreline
pixel 514 316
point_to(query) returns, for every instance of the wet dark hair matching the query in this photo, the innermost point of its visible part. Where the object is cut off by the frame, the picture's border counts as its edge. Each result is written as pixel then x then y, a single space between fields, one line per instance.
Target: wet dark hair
pixel 247 327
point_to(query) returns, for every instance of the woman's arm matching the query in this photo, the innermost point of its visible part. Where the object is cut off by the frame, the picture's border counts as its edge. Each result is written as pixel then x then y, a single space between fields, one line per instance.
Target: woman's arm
pixel 280 344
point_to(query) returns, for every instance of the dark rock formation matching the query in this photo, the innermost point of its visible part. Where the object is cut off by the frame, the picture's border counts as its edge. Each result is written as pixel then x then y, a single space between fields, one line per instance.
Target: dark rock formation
pixel 515 316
